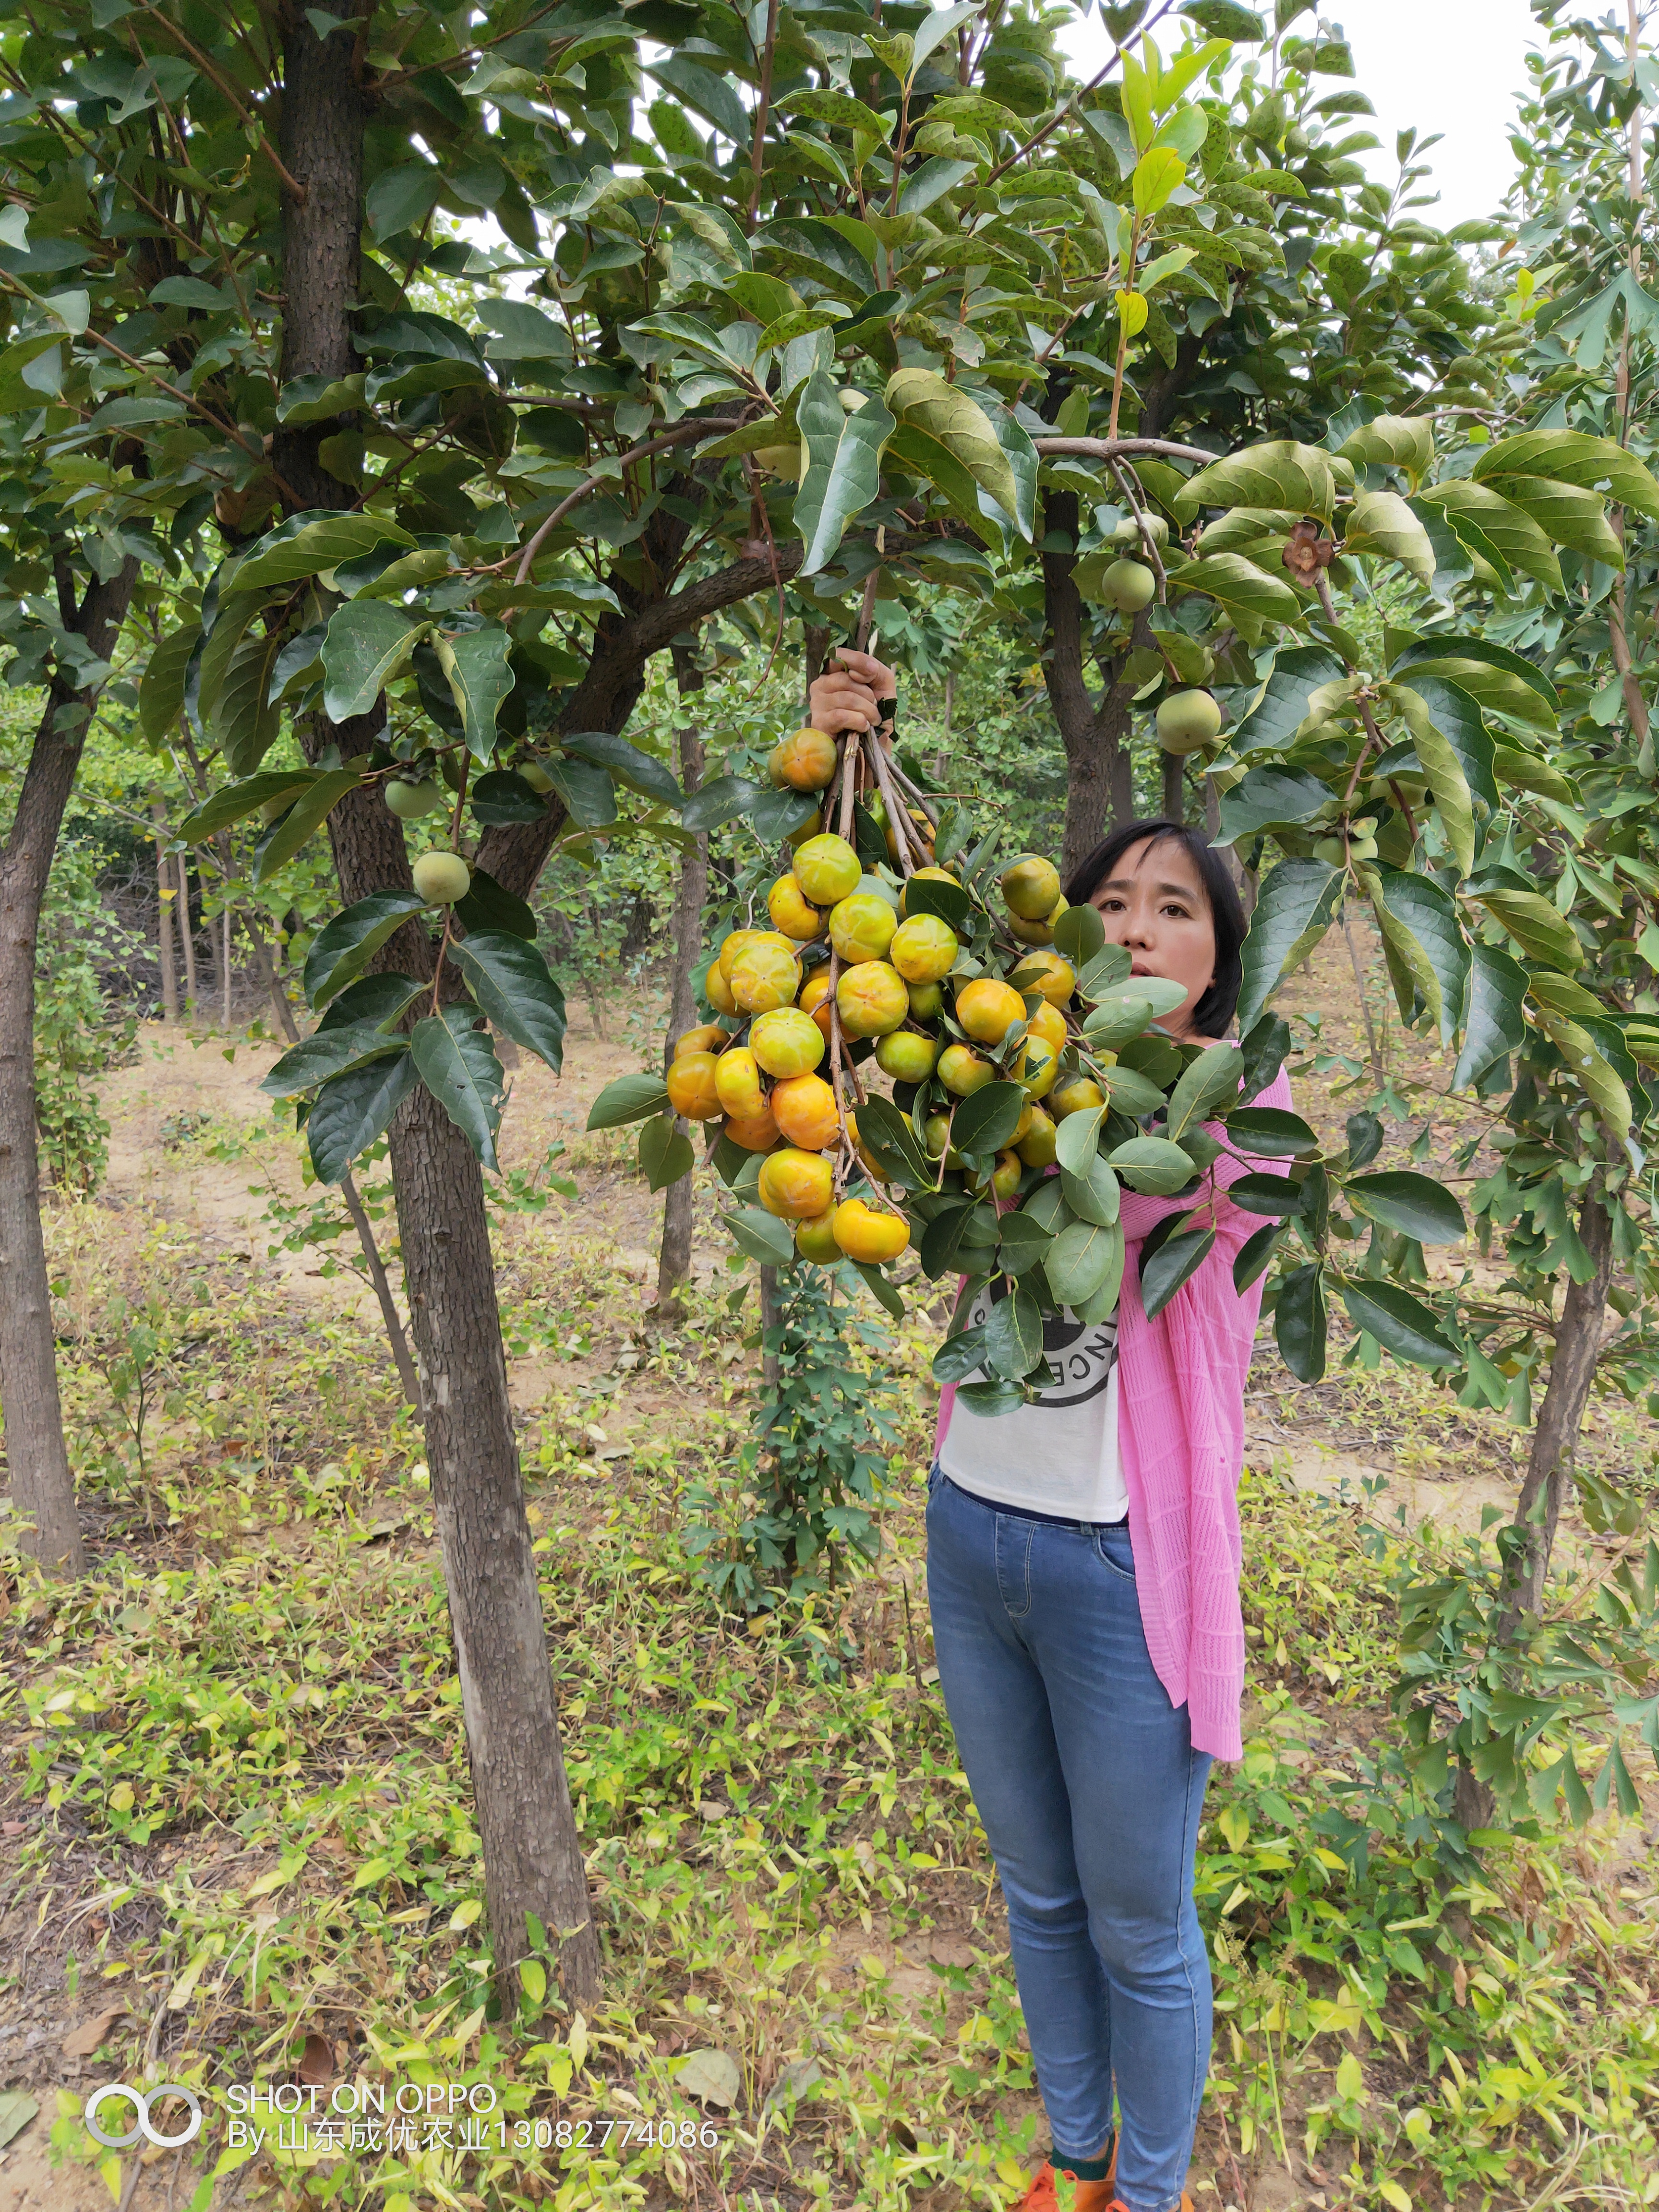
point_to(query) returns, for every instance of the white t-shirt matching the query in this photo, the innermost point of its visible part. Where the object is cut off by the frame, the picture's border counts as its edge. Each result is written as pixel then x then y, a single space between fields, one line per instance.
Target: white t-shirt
pixel 1059 1455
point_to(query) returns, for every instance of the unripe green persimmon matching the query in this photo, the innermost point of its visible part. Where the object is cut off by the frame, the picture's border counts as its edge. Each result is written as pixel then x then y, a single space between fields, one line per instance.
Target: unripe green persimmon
pixel 1128 585
pixel 1187 722
pixel 409 801
pixel 441 877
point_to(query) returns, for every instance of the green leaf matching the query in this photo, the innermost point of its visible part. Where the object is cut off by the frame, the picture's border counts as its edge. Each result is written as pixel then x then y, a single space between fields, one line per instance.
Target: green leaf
pixel 1176 1261
pixel 161 689
pixel 367 643
pixel 510 980
pixel 380 1000
pixel 317 399
pixel 762 1235
pixel 1442 767
pixel 402 198
pixel 1300 1323
pixel 1130 1091
pixel 1153 1165
pixel 1207 1084
pixel 503 796
pixel 240 718
pixel 1283 703
pixel 1083 1260
pixel 666 1153
pixel 1401 1324
pixel 1297 900
pixel 1542 932
pixel 1418 921
pixel 354 1111
pixel 1091 1192
pixel 489 905
pixel 1274 1194
pixel 1573 456
pixel 1413 1204
pixel 1264 1048
pixel 588 792
pixel 843 471
pixel 1268 796
pixel 1566 515
pixel 457 1065
pixel 1492 1021
pixel 1013 1333
pixel 987 1122
pixel 887 1136
pixel 723 799
pixel 327 1053
pixel 1226 19
pixel 1079 934
pixel 1484 520
pixel 479 679
pixel 341 949
pixel 1399 441
pixel 238 800
pixel 1077 1140
pixel 1268 1132
pixel 1278 474
pixel 1381 522
pixel 628 1098
pixel 308 544
pixel 838 108
pixel 1158 173
pixel 959 1357
pixel 1254 1254
pixel 1493 677
pixel 306 816
pixel 637 769
pixel 1240 587
pixel 1024 1242
pixel 1601 1082
pixel 953 417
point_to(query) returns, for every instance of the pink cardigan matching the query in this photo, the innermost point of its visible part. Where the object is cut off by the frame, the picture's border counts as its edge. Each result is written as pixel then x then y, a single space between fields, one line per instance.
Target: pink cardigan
pixel 1181 1444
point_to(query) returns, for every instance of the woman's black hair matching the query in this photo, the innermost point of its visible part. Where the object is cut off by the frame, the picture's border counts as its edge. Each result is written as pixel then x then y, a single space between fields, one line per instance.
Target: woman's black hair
pixel 1212 1015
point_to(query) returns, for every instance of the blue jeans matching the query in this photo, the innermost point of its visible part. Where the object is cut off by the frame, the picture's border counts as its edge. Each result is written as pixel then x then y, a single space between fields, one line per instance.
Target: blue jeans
pixel 1084 1777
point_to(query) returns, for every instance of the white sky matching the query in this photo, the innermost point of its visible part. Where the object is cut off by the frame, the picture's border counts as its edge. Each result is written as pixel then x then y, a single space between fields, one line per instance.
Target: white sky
pixel 1453 66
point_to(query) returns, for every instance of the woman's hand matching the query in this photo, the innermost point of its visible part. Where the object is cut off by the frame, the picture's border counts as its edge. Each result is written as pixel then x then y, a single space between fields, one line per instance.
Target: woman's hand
pixel 848 697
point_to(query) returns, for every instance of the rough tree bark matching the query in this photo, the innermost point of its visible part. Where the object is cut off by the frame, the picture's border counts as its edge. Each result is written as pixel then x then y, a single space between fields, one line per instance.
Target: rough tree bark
pixel 186 934
pixel 674 1254
pixel 1175 788
pixel 532 1851
pixel 1555 1437
pixel 1550 1462
pixel 166 893
pixel 1099 785
pixel 42 1484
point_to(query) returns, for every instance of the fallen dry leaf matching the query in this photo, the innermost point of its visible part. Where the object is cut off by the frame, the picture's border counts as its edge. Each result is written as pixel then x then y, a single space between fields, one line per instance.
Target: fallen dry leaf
pixel 81 2042
pixel 317 2064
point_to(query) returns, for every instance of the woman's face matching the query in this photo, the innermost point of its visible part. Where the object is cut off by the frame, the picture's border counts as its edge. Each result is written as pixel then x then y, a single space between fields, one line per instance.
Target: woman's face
pixel 1153 905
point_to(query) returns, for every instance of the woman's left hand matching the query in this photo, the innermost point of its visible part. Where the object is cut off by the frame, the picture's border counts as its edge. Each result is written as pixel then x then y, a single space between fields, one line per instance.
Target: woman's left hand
pixel 849 697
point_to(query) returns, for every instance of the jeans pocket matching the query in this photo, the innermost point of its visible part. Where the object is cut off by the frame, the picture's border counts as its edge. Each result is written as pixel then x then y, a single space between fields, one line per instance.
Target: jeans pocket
pixel 1115 1550
pixel 935 1476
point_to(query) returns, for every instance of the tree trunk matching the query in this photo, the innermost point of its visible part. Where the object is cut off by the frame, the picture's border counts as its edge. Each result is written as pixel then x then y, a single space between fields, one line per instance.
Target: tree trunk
pixel 942 758
pixel 166 892
pixel 1175 787
pixel 1555 1437
pixel 224 964
pixel 531 1854
pixel 532 1851
pixel 187 935
pixel 674 1256
pixel 815 640
pixel 42 1484
pixel 771 1313
pixel 1099 782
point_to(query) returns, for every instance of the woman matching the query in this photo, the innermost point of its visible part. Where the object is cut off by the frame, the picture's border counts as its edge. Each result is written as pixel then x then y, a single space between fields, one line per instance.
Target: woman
pixel 1083 1563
